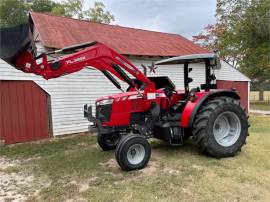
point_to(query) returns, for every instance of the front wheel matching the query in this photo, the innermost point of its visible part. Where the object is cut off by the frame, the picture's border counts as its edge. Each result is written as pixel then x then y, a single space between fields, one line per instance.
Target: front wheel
pixel 133 152
pixel 221 127
pixel 108 141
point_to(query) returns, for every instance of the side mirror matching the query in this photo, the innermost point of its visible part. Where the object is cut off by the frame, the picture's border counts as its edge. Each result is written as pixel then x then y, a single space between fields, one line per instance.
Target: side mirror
pixel 217 63
pixel 190 69
pixel 212 77
pixel 85 112
pixel 189 80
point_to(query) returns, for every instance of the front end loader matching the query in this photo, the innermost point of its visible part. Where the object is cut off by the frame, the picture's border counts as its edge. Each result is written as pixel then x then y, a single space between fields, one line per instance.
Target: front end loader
pixel 151 107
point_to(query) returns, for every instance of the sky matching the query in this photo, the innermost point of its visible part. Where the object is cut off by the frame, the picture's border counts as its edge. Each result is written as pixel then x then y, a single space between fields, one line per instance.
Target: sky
pixel 184 17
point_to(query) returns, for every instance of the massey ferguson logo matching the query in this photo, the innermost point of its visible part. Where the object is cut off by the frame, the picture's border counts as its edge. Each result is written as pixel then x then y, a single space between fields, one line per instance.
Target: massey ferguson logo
pixel 69 62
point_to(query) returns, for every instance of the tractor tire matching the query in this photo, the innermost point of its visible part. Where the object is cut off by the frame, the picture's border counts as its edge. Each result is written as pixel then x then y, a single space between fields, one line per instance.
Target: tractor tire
pixel 133 152
pixel 108 141
pixel 221 127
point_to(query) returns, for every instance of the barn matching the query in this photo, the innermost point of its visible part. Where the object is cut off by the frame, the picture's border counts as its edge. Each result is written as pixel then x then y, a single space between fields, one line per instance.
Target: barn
pixel 33 108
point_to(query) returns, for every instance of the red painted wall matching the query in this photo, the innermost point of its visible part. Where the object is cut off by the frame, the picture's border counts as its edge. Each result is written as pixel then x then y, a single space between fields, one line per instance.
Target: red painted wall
pixel 240 86
pixel 23 112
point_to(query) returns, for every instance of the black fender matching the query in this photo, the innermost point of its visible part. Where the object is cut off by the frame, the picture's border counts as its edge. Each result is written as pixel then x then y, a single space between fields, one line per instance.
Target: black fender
pixel 209 95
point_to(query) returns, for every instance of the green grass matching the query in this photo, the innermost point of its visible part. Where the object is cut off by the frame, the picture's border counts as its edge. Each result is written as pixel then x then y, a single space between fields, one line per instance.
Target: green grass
pixel 265 105
pixel 75 168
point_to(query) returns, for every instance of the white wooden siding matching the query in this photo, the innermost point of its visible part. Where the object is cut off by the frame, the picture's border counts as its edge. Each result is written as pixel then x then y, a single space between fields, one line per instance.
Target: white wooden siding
pixel 69 93
pixel 229 73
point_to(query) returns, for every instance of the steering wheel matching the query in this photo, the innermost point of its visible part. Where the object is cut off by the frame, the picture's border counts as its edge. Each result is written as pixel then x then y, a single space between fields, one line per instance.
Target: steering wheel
pixel 168 91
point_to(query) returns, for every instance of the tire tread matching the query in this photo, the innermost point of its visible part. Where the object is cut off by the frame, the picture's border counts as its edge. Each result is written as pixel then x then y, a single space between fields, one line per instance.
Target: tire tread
pixel 200 126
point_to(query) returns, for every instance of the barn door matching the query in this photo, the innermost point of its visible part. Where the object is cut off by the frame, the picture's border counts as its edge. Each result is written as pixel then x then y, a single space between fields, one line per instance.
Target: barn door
pixel 23 112
pixel 240 86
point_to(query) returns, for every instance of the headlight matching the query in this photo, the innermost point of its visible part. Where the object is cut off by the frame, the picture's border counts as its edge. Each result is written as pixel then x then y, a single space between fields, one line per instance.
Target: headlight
pixel 105 102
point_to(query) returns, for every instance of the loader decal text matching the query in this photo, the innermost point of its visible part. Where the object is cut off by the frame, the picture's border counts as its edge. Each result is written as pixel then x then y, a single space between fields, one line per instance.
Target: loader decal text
pixel 69 62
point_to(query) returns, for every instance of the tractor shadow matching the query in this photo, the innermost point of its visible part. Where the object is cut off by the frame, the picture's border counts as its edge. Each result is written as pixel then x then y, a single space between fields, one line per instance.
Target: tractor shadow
pixel 188 147
pixel 189 150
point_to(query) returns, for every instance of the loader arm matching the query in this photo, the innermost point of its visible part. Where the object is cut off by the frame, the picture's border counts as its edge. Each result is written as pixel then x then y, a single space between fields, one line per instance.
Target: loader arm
pixel 91 54
pixel 96 55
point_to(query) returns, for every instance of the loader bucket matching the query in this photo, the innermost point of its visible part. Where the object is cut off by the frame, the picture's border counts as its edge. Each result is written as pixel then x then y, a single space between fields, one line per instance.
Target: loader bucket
pixel 14 41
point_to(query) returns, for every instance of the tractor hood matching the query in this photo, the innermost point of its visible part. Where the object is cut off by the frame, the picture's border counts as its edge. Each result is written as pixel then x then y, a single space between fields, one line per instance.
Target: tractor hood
pixel 15 41
pixel 118 96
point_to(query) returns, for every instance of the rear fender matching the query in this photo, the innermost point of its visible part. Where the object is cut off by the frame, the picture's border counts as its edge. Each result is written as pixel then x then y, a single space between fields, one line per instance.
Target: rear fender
pixel 191 108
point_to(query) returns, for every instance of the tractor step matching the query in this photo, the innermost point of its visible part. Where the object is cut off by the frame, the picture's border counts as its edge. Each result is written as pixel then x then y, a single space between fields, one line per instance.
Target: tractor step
pixel 176 141
pixel 176 137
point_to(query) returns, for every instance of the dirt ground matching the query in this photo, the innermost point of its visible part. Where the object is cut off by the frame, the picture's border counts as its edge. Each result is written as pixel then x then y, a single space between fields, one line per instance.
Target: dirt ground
pixel 16 186
pixel 12 184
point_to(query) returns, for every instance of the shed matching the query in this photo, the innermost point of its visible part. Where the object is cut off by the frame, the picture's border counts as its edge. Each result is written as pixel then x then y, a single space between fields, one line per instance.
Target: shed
pixel 68 94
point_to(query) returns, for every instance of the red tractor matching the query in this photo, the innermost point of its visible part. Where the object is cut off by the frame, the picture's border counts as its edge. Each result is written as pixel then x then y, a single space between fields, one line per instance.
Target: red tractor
pixel 150 108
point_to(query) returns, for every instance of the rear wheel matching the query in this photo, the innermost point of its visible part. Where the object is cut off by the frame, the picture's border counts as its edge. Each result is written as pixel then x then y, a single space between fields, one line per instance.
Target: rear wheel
pixel 133 152
pixel 108 141
pixel 221 127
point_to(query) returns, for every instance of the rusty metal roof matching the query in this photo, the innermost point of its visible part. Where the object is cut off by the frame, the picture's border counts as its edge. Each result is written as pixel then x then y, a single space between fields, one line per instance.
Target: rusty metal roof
pixel 58 32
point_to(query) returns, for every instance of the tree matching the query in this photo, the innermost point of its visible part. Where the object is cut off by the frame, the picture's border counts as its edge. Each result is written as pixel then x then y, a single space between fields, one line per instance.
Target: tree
pixel 228 13
pixel 13 12
pixel 254 32
pixel 59 11
pixel 74 8
pixel 98 14
pixel 242 36
pixel 69 8
pixel 44 6
pixel 210 36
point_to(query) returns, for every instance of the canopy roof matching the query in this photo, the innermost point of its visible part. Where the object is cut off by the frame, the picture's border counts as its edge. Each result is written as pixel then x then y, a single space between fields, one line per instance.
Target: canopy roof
pixel 194 58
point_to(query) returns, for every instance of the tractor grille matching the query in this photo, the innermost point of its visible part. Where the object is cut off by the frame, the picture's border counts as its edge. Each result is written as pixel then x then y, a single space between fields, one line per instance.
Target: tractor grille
pixel 103 112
